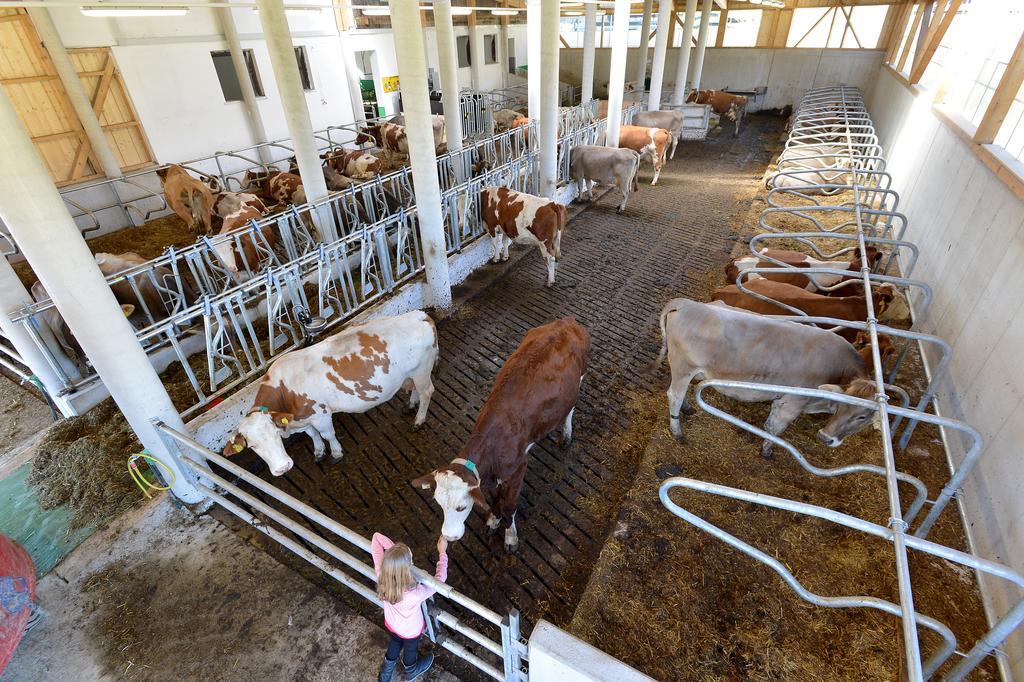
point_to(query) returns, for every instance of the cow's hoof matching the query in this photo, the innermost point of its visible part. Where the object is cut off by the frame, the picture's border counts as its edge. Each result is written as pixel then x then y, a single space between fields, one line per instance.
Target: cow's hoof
pixel 317 456
pixel 336 458
pixel 688 410
pixel 564 443
pixel 417 427
pixel 680 438
pixel 511 549
pixel 767 453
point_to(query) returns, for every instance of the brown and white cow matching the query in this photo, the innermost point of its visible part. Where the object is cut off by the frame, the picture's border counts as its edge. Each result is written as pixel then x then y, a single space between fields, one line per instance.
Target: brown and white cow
pixel 522 218
pixel 275 186
pixel 534 394
pixel 352 371
pixel 227 203
pixel 437 125
pixel 507 119
pixel 650 142
pixel 795 260
pixel 667 119
pixel 159 304
pixel 189 198
pixel 353 163
pixel 816 305
pixel 713 341
pixel 52 320
pixel 602 165
pixel 389 137
pixel 244 254
pixel 802 168
pixel 726 105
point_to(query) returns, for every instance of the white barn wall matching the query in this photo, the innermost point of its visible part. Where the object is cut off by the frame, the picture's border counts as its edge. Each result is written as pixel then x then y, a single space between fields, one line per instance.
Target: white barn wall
pixel 787 73
pixel 970 227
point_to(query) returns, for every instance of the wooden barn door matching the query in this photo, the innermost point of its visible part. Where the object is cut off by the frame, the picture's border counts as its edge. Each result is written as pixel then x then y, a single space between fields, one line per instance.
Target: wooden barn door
pixel 30 81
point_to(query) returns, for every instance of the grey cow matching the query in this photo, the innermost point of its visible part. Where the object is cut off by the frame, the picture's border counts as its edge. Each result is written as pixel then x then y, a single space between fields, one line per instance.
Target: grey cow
pixel 672 121
pixel 606 166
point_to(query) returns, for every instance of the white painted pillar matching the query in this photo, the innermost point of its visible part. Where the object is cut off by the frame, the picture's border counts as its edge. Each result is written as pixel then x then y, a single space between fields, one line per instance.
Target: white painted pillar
pixel 617 71
pixel 80 102
pixel 34 212
pixel 252 110
pixel 476 57
pixel 412 71
pixel 503 51
pixel 448 66
pixel 13 296
pixel 660 50
pixel 683 63
pixel 702 42
pixel 352 77
pixel 645 31
pixel 533 70
pixel 296 113
pixel 549 99
pixel 589 41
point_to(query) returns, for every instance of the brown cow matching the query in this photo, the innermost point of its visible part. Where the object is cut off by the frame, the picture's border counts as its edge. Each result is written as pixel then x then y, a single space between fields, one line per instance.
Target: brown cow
pixel 275 186
pixel 650 142
pixel 522 218
pixel 534 394
pixel 722 103
pixel 353 163
pixel 189 198
pixel 719 342
pixel 390 137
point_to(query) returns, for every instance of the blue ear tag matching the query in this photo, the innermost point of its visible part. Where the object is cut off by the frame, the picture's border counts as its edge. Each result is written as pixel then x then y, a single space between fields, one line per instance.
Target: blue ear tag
pixel 262 409
pixel 471 465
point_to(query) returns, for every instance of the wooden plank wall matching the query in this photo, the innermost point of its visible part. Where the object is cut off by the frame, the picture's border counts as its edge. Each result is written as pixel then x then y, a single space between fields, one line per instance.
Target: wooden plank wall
pixel 31 82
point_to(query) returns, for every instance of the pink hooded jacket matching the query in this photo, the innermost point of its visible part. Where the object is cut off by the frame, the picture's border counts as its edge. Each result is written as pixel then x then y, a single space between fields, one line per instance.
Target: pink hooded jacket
pixel 405 618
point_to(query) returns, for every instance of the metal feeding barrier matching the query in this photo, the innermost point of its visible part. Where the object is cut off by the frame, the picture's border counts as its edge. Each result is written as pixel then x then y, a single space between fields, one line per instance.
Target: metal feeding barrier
pixel 189 300
pixel 314 537
pixel 831 181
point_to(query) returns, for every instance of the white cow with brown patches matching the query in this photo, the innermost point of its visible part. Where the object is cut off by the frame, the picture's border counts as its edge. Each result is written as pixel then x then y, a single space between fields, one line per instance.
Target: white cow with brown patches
pixel 652 143
pixel 352 372
pixel 523 218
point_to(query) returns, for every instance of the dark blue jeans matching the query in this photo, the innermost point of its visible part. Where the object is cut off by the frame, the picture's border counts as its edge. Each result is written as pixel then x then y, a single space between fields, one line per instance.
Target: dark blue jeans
pixel 410 647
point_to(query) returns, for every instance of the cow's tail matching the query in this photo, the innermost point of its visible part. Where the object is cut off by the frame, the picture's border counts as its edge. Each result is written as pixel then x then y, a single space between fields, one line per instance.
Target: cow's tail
pixel 635 180
pixel 664 336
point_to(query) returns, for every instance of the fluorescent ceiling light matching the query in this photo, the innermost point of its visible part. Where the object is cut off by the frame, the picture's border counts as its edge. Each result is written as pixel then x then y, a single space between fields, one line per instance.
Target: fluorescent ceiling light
pixel 296 10
pixel 461 11
pixel 112 11
pixel 572 14
pixel 377 12
pixel 504 12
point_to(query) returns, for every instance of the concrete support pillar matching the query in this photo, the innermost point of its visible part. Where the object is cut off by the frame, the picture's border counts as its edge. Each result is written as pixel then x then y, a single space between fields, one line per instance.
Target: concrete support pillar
pixel 660 50
pixel 412 74
pixel 702 42
pixel 617 71
pixel 533 70
pixel 293 100
pixel 13 296
pixel 33 211
pixel 448 66
pixel 503 54
pixel 549 99
pixel 252 110
pixel 645 31
pixel 476 56
pixel 589 40
pixel 683 63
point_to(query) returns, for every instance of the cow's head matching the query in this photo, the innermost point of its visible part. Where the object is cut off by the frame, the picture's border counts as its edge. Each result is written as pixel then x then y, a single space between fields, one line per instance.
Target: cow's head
pixel 847 419
pixel 456 489
pixel 886 347
pixel 891 305
pixel 261 431
pixel 693 96
pixel 256 178
pixel 370 134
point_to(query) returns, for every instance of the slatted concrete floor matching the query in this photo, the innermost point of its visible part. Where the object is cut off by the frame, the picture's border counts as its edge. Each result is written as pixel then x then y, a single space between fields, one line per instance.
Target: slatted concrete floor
pixel 616 273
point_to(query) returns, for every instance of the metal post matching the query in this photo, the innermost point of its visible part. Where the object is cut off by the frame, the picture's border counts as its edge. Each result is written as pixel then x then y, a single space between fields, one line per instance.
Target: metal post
pixel 589 38
pixel 702 42
pixel 683 63
pixel 252 110
pixel 645 32
pixel 533 71
pixel 549 99
pixel 660 50
pixel 37 218
pixel 448 67
pixel 412 72
pixel 12 297
pixel 617 71
pixel 293 99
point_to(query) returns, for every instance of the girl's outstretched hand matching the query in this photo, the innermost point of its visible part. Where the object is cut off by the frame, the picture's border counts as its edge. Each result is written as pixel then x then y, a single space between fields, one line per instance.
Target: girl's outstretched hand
pixel 442 545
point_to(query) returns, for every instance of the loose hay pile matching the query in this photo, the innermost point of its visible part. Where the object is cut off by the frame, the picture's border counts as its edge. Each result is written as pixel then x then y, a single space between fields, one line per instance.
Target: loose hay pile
pixel 81 463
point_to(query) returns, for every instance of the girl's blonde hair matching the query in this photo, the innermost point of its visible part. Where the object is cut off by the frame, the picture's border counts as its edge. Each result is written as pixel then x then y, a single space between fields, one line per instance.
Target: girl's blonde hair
pixel 395 573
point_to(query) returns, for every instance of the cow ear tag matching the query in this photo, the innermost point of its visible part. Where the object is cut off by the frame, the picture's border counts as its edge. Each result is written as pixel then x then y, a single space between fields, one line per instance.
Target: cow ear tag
pixel 284 420
pixel 237 447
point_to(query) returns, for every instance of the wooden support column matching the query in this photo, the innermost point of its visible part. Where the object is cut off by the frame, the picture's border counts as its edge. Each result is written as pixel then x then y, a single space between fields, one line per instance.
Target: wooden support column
pixel 1006 91
pixel 919 12
pixel 899 28
pixel 936 32
pixel 723 16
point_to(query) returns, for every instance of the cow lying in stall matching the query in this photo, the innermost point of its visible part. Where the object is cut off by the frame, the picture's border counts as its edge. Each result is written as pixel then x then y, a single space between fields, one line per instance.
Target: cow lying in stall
pixel 275 186
pixel 507 119
pixel 352 371
pixel 649 142
pixel 52 320
pixel 717 342
pixel 670 120
pixel 191 199
pixel 796 259
pixel 802 168
pixel 391 138
pixel 522 218
pixel 618 167
pixel 243 254
pixel 534 394
pixel 726 105
pixel 355 164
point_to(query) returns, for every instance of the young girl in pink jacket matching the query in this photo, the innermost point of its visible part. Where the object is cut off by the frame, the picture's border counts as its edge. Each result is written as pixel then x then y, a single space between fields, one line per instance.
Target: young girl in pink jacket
pixel 402 596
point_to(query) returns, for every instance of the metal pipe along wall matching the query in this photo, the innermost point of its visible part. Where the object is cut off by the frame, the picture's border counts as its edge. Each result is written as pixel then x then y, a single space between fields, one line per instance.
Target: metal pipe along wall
pixel 549 98
pixel 412 74
pixel 37 218
pixel 660 50
pixel 683 63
